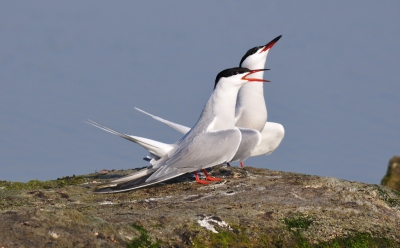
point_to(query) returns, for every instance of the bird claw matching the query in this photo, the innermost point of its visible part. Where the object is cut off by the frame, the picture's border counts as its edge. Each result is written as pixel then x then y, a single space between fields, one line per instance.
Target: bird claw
pixel 210 178
pixel 198 179
pixel 202 182
pixel 213 179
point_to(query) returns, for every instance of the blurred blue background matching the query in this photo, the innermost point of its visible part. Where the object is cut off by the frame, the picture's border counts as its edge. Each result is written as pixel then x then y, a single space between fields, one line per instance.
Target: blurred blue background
pixel 335 80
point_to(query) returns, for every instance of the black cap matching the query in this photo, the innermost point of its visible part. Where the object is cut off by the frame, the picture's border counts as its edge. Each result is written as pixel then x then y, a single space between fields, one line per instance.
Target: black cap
pixel 230 72
pixel 255 49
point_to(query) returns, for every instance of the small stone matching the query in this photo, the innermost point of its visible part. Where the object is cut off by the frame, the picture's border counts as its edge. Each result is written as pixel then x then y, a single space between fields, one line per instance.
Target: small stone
pixel 54 235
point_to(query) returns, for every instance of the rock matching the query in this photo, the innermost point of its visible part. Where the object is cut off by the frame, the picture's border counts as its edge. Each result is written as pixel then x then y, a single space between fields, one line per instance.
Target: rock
pixel 250 208
pixel 392 177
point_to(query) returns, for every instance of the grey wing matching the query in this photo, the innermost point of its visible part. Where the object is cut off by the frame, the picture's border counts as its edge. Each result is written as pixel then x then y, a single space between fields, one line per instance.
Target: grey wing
pixel 250 139
pixel 203 151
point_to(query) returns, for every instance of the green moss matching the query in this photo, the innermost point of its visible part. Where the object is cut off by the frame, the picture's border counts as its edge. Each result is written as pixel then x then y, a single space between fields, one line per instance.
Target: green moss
pixel 295 225
pixel 240 237
pixel 395 192
pixel 385 196
pixel 36 184
pixel 235 237
pixel 229 239
pixel 143 241
pixel 358 240
pixel 300 222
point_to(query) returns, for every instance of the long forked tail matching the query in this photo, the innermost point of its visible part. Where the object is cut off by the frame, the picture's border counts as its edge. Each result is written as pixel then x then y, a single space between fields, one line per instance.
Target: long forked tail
pixel 123 186
pixel 135 179
pixel 127 185
pixel 156 148
pixel 176 126
pixel 107 129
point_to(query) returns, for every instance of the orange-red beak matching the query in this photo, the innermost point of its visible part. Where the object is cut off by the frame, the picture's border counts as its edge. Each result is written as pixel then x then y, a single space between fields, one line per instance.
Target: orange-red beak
pixel 255 79
pixel 270 44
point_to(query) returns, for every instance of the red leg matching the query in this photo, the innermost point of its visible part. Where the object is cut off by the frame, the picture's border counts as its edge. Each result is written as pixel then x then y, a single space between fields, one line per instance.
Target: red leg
pixel 209 178
pixel 241 164
pixel 228 164
pixel 198 179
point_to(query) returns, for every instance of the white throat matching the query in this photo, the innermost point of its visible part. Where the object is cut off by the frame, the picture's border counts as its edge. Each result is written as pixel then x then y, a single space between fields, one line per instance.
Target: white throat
pixel 222 105
pixel 251 110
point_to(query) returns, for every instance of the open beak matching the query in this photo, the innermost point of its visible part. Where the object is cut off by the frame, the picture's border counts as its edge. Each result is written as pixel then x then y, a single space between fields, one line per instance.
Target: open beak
pixel 270 44
pixel 255 79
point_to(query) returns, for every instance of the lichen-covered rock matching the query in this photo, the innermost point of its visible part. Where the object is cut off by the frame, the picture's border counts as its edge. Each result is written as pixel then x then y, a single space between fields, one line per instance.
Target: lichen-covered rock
pixel 250 208
pixel 392 177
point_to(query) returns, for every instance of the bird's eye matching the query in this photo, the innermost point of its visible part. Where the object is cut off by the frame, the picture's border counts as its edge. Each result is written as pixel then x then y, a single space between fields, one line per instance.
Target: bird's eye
pixel 249 53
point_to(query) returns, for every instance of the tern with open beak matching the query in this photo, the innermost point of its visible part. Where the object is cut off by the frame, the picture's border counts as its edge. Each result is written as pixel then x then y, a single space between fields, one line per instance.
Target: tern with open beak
pixel 250 110
pixel 213 140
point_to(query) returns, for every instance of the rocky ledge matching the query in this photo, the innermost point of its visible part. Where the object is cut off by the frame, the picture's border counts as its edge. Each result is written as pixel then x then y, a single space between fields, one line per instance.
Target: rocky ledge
pixel 250 207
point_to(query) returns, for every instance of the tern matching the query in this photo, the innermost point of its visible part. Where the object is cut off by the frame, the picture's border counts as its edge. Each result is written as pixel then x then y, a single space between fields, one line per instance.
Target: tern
pixel 250 110
pixel 213 140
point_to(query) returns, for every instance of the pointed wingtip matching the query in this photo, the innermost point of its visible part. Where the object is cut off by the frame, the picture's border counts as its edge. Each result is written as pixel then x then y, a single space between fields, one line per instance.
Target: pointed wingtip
pixel 146 113
pixel 140 110
pixel 107 188
pixel 103 191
